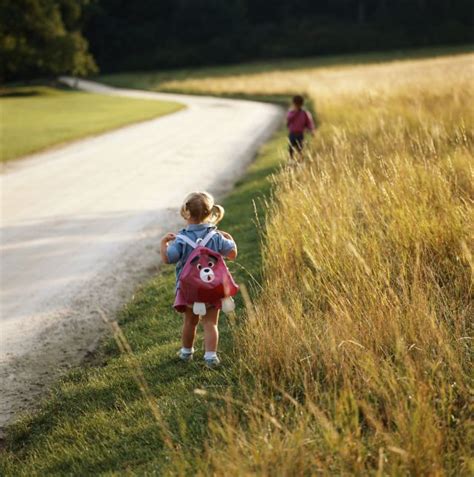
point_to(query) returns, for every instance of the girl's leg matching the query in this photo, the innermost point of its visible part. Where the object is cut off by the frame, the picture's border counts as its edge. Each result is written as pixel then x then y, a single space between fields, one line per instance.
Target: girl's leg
pixel 211 333
pixel 291 145
pixel 189 328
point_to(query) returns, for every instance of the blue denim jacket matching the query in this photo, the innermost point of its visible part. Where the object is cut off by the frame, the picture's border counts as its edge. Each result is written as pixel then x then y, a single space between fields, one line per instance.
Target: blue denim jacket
pixel 178 250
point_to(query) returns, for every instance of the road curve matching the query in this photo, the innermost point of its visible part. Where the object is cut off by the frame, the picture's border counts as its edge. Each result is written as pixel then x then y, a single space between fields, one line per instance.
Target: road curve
pixel 80 225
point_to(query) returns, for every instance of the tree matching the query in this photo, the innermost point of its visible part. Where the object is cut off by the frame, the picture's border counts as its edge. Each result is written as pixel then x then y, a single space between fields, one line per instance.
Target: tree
pixel 42 37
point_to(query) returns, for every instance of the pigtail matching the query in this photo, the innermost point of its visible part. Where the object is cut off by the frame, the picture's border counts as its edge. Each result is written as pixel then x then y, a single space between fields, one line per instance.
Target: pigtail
pixel 217 213
pixel 185 212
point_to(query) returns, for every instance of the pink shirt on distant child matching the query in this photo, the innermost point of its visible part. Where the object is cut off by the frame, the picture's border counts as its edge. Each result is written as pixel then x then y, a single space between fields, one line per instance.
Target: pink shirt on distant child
pixel 298 120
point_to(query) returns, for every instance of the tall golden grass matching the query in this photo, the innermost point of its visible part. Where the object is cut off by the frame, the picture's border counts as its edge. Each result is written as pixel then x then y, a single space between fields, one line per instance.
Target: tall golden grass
pixel 357 357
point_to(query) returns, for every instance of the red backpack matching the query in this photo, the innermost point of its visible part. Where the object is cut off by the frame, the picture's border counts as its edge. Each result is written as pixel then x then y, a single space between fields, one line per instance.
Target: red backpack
pixel 205 277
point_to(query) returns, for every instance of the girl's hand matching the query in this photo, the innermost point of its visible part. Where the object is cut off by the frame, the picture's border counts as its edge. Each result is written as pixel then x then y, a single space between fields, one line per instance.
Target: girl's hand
pixel 164 245
pixel 168 237
pixel 232 255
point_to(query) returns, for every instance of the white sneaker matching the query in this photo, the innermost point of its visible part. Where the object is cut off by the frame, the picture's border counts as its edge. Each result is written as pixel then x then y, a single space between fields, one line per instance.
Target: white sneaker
pixel 185 356
pixel 212 363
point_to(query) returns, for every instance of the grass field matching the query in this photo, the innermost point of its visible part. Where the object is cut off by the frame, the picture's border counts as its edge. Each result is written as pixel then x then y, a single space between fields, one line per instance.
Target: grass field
pixel 37 117
pixel 183 80
pixel 355 356
pixel 96 421
pixel 363 327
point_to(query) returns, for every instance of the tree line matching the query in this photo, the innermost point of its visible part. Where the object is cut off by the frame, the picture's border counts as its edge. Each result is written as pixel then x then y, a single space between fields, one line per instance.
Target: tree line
pixel 47 37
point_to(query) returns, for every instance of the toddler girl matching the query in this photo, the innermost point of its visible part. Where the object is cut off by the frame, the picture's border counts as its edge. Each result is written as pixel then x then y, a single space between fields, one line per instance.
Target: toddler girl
pixel 201 215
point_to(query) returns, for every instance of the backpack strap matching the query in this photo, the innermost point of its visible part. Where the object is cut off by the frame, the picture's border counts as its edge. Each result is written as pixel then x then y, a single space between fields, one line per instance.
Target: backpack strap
pixel 187 240
pixel 200 242
pixel 205 240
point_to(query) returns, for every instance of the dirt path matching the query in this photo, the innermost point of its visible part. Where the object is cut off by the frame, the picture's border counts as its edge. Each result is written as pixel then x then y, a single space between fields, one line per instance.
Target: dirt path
pixel 80 226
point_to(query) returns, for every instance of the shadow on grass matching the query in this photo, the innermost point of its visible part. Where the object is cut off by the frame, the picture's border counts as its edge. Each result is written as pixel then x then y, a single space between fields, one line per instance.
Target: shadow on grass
pixel 19 94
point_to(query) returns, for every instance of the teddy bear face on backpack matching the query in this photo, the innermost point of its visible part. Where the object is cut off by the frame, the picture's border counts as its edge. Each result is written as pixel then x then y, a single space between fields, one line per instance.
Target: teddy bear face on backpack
pixel 205 278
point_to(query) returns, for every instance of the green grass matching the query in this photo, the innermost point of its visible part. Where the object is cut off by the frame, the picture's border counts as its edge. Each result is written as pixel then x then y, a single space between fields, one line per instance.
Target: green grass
pixel 95 420
pixel 37 117
pixel 154 80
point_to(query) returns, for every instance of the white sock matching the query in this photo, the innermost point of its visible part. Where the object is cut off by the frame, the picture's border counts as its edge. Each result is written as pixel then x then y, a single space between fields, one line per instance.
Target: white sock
pixel 210 354
pixel 187 350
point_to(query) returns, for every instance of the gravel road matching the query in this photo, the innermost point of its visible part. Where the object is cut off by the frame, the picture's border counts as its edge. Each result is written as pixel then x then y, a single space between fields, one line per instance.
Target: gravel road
pixel 80 225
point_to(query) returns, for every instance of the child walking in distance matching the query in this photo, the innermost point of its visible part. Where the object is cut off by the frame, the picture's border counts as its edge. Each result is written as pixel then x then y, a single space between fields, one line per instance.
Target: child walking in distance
pixel 298 121
pixel 202 216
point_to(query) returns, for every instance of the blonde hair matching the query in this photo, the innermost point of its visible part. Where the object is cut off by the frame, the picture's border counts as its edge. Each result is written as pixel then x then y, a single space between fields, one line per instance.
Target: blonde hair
pixel 200 206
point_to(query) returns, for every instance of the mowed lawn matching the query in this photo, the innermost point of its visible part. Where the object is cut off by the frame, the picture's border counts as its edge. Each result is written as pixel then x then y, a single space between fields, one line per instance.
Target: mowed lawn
pixel 37 117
